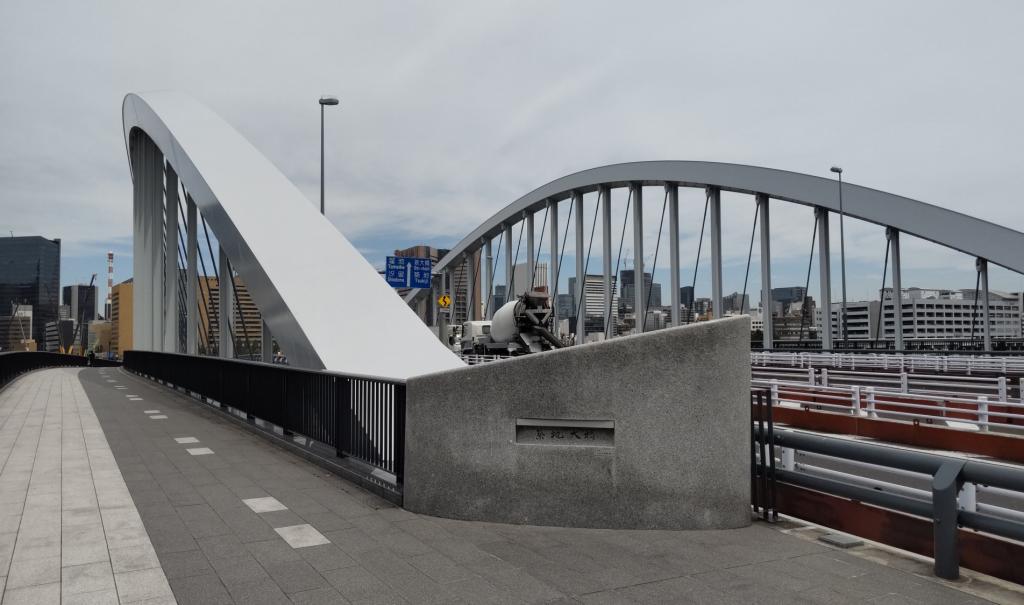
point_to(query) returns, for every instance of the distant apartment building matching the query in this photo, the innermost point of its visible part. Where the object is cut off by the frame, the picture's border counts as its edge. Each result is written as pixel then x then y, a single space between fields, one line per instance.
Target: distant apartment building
pixel 30 275
pixel 592 308
pixel 931 314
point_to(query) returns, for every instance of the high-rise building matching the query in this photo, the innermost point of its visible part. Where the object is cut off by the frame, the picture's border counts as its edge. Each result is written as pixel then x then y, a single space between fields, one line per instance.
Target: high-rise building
pixel 652 290
pixel 121 318
pixel 686 296
pixel 30 275
pixel 81 299
pixel 246 321
pixel 736 303
pixel 521 277
pixel 58 335
pixel 564 307
pixel 500 295
pixel 16 330
pixel 784 298
pixel 592 307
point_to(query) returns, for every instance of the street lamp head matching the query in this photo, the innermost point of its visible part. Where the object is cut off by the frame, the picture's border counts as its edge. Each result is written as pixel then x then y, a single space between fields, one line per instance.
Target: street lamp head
pixel 836 169
pixel 328 100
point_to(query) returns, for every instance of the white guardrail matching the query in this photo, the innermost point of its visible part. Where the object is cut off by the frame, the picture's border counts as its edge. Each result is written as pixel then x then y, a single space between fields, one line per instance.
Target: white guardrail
pixel 893 361
pixel 870 402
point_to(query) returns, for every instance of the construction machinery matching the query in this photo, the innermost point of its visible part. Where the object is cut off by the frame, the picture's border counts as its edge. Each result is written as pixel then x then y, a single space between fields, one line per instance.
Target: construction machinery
pixel 519 327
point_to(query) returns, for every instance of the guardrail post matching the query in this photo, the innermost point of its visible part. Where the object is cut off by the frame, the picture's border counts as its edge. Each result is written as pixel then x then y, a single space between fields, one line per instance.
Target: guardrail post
pixel 871 402
pixel 946 485
pixel 855 398
pixel 982 413
pixel 774 392
pixel 1001 383
pixel 810 375
pixel 904 382
pixel 824 377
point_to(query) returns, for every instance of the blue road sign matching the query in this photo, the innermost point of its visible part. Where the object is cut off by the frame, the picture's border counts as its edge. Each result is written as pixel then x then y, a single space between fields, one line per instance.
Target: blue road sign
pixel 405 272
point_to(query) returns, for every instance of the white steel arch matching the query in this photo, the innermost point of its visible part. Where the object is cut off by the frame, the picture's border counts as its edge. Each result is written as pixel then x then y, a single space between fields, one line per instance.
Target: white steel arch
pixel 323 302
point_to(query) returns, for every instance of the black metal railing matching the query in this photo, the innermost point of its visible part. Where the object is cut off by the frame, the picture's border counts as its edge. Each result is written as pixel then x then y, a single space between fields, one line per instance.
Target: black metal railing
pixel 762 455
pixel 361 417
pixel 15 363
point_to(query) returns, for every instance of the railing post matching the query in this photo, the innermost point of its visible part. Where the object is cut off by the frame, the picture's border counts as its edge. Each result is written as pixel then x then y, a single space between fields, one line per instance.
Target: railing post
pixel 810 375
pixel 982 413
pixel 856 400
pixel 342 417
pixel 824 377
pixel 871 402
pixel 904 383
pixel 945 486
pixel 400 433
pixel 1001 382
pixel 775 392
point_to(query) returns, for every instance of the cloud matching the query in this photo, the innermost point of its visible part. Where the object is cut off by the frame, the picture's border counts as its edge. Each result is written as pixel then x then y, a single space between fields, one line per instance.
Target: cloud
pixel 449 113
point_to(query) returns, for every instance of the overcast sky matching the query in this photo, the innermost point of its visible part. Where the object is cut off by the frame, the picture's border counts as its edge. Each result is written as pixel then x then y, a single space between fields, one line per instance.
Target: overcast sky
pixel 452 110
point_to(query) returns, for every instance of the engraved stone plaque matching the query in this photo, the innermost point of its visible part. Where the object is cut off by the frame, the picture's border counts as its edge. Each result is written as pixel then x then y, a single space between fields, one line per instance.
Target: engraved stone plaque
pixel 567 432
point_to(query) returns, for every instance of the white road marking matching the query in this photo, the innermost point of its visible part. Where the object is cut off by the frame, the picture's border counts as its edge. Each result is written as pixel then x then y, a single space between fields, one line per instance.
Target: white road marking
pixel 301 536
pixel 264 505
pixel 186 440
pixel 199 451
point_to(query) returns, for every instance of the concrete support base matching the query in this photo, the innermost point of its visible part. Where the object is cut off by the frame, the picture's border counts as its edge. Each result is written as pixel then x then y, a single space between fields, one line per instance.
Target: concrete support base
pixel 649 431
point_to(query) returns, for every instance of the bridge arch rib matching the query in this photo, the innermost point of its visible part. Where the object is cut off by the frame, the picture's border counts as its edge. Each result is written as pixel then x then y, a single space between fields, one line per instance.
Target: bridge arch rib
pixel 312 286
pixel 982 239
pixel 986 241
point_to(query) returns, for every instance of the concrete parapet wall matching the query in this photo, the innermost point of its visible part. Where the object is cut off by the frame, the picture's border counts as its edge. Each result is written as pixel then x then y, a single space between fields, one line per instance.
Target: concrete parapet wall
pixel 647 431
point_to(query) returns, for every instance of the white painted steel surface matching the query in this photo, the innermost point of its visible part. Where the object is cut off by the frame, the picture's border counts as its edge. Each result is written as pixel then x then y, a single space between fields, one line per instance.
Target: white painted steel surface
pixel 326 306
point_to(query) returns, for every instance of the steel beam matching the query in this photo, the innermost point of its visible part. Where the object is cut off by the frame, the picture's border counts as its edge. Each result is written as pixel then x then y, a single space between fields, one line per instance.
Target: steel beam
pixel 509 268
pixel 531 261
pixel 581 308
pixel 639 291
pixel 673 261
pixel 897 289
pixel 266 345
pixel 982 266
pixel 715 211
pixel 170 252
pixel 226 306
pixel 470 272
pixel 489 259
pixel 825 277
pixel 608 280
pixel 147 207
pixel 191 278
pixel 766 271
pixel 553 261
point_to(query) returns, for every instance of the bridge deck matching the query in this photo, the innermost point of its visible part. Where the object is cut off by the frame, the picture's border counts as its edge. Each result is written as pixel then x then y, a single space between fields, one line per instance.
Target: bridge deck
pixel 232 518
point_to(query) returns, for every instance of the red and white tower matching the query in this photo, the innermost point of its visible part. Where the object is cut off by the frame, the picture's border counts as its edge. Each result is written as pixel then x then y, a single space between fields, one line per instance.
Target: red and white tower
pixel 110 284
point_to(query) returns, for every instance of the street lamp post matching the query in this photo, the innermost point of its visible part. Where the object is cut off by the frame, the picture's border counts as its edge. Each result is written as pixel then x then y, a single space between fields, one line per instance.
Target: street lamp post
pixel 323 101
pixel 842 250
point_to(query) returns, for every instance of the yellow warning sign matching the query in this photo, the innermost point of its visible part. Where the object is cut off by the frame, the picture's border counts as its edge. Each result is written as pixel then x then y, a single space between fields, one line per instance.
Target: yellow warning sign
pixel 444 301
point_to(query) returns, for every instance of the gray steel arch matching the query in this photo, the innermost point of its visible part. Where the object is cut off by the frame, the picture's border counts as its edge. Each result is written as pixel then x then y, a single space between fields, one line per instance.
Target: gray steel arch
pixel 982 239
pixel 323 302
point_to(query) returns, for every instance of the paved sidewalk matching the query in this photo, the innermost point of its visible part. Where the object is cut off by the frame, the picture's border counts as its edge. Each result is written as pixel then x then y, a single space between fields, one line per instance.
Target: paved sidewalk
pixel 234 518
pixel 69 530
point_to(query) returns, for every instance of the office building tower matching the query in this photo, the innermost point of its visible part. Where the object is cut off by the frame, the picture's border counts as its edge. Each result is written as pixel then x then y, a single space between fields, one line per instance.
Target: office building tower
pixel 121 318
pixel 30 275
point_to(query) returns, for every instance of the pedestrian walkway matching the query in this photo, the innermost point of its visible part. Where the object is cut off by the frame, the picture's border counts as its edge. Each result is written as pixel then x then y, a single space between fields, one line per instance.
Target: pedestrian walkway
pixel 233 518
pixel 69 530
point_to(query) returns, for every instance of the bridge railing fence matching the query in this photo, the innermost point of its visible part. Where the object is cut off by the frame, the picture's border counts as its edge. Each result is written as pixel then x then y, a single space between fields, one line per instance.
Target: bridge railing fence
pixel 16 363
pixel 360 417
